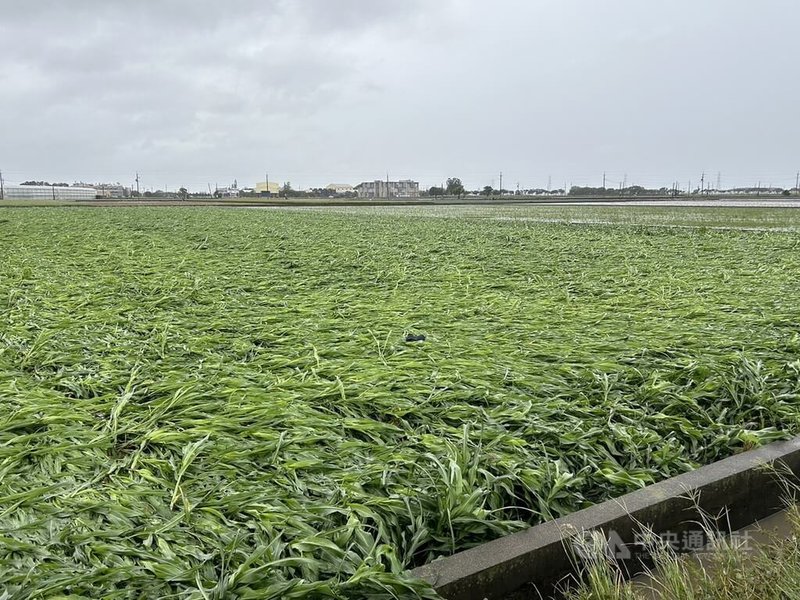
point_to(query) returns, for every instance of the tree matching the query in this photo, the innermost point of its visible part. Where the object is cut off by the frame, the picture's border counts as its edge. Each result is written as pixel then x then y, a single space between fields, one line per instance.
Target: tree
pixel 47 183
pixel 436 191
pixel 183 193
pixel 455 187
pixel 487 190
pixel 286 190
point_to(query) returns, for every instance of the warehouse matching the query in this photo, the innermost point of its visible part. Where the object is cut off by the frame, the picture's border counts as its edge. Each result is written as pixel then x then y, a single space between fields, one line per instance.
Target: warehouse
pixel 268 188
pixel 48 192
pixel 404 188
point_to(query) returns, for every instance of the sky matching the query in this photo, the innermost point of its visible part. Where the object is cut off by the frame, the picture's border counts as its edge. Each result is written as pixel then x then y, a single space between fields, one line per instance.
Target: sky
pixel 200 93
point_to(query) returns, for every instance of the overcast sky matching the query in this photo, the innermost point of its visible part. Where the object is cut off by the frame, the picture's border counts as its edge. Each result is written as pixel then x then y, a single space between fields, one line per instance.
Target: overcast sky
pixel 198 92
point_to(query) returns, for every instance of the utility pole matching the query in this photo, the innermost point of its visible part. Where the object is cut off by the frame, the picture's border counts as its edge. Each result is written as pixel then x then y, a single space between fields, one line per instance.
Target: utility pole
pixel 54 191
pixel 604 180
pixel 702 182
pixel 267 178
pixel 501 184
pixel 2 187
pixel 796 182
pixel 625 181
pixel 137 185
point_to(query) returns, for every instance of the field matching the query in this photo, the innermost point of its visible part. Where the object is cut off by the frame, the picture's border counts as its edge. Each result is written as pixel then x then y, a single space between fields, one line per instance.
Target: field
pixel 741 216
pixel 221 403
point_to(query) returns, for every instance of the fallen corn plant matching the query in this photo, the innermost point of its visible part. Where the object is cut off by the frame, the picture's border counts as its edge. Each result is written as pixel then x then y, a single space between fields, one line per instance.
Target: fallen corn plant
pixel 208 403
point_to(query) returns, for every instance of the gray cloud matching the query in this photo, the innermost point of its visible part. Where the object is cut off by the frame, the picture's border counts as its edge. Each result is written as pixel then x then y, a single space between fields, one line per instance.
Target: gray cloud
pixel 192 92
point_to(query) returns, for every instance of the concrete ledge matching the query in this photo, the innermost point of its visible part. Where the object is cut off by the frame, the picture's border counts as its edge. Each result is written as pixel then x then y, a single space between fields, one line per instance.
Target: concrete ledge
pixel 538 557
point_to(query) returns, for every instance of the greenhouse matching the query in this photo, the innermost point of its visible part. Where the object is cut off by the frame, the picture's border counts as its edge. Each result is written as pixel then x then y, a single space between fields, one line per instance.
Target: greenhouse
pixel 48 192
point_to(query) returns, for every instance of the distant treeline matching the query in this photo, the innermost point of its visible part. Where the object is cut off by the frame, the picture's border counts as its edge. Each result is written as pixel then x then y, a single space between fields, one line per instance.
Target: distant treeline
pixel 637 190
pixel 633 190
pixel 45 183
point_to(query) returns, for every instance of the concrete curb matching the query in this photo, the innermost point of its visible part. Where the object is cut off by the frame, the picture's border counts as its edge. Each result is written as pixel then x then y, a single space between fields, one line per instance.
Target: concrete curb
pixel 538 557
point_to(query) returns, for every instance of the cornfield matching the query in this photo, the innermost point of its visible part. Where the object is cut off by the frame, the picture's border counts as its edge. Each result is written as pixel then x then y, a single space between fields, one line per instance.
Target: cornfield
pixel 211 403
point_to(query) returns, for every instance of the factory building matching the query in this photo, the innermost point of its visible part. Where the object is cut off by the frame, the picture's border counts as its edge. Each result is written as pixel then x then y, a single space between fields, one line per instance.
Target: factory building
pixel 111 190
pixel 340 188
pixel 227 192
pixel 106 190
pixel 404 188
pixel 267 189
pixel 48 192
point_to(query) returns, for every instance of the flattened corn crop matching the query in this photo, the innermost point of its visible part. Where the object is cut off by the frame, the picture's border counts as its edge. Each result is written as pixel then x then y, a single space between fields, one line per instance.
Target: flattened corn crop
pixel 222 403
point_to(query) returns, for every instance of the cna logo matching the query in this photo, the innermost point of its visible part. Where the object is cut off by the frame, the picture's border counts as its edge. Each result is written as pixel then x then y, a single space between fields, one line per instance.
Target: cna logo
pixel 591 545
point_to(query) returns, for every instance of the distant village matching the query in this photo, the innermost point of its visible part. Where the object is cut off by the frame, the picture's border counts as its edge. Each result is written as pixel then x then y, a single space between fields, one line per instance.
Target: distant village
pixel 43 190
pixel 377 189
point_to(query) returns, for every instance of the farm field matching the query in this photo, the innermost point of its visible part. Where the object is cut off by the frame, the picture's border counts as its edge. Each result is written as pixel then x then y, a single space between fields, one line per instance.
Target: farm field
pixel 685 215
pixel 216 403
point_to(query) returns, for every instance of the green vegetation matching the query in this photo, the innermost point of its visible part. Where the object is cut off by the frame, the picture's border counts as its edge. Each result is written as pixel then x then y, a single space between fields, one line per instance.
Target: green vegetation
pixel 455 187
pixel 726 570
pixel 650 216
pixel 209 403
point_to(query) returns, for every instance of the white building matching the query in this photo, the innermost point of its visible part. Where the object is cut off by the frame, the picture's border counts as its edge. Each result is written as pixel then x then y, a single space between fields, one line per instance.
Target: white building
pixel 111 190
pixel 404 188
pixel 232 191
pixel 48 192
pixel 106 190
pixel 340 188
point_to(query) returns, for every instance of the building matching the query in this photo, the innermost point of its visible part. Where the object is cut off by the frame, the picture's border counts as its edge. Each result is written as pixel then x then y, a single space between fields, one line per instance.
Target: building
pixel 111 190
pixel 226 192
pixel 264 189
pixel 106 190
pixel 340 188
pixel 48 192
pixel 232 191
pixel 404 188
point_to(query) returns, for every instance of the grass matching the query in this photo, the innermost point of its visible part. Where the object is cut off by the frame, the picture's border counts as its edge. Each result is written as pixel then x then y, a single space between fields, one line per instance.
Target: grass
pixel 209 403
pixel 717 217
pixel 730 570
